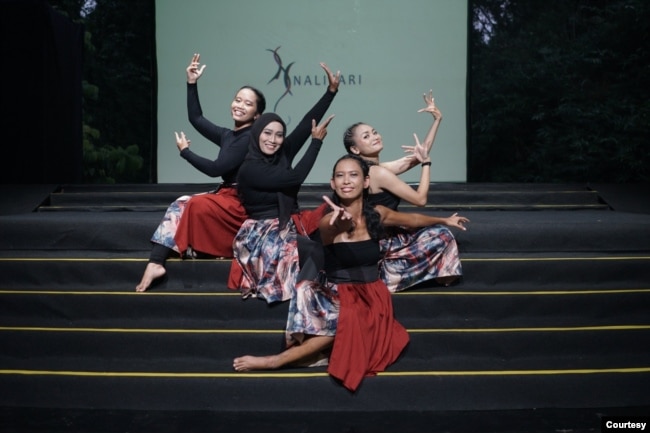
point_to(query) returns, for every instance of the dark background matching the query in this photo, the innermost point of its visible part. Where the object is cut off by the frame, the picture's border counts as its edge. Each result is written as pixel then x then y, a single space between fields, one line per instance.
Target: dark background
pixel 558 91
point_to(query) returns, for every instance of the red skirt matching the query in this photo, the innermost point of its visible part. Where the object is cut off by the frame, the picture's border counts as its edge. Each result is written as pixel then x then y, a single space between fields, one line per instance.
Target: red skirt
pixel 210 222
pixel 368 338
pixel 306 221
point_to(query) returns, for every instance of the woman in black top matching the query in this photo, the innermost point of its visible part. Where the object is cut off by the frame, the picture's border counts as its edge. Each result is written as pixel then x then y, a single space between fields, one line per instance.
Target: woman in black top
pixel 266 247
pixel 412 256
pixel 206 222
pixel 351 312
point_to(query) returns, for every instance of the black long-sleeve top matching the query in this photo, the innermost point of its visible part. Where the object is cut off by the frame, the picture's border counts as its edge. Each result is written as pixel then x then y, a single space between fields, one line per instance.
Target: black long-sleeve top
pixel 233 144
pixel 260 181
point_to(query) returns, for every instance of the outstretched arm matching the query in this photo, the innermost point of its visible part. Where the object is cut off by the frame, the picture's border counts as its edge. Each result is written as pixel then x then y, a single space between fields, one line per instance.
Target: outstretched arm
pixel 205 127
pixel 390 217
pixel 414 153
pixel 297 138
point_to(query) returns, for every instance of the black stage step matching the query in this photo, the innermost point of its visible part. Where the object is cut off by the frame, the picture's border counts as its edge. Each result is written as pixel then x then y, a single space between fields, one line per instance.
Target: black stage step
pixel 546 332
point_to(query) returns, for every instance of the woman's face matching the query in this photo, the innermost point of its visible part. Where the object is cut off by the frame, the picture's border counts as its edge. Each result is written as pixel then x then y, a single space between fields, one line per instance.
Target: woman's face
pixel 367 141
pixel 244 107
pixel 271 138
pixel 348 181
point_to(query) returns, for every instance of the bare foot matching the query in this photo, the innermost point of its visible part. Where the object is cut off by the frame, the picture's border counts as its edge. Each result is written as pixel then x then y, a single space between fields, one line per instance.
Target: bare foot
pixel 247 363
pixel 152 272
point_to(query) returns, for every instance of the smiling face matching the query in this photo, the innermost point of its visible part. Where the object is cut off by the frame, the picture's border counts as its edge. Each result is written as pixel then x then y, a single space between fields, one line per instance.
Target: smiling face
pixel 367 141
pixel 271 138
pixel 244 107
pixel 348 180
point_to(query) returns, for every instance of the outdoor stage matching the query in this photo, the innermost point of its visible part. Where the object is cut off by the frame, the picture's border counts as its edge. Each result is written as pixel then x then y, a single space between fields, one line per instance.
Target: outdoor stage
pixel 547 331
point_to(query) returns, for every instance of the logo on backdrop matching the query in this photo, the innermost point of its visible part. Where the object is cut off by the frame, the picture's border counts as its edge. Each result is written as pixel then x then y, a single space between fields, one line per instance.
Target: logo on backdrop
pixel 283 73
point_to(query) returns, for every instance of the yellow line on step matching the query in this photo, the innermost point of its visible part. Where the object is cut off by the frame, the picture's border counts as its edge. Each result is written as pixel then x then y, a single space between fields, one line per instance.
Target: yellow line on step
pixel 279 331
pixel 140 330
pixel 405 293
pixel 463 259
pixel 104 293
pixel 295 375
pixel 521 293
pixel 532 329
pixel 552 259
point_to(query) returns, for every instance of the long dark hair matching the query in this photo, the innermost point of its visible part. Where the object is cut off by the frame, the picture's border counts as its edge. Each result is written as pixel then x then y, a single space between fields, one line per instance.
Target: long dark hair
pixel 373 220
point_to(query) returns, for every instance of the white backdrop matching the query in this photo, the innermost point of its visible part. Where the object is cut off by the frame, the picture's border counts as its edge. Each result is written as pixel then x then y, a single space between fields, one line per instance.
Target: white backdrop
pixel 389 53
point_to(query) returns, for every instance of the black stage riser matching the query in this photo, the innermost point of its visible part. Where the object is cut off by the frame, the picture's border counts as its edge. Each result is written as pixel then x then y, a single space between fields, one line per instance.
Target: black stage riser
pixel 416 310
pixel 482 272
pixel 489 232
pixel 553 313
pixel 311 199
pixel 181 351
pixel 292 394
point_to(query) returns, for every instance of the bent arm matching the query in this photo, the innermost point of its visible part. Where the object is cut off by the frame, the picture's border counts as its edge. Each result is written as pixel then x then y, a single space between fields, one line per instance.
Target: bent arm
pixel 297 138
pixel 404 164
pixel 279 178
pixel 384 179
pixel 195 115
pixel 229 159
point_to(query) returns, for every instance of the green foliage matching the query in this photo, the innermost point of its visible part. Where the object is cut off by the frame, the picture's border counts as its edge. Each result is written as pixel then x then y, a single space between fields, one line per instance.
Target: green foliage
pixel 560 94
pixel 107 164
pixel 118 52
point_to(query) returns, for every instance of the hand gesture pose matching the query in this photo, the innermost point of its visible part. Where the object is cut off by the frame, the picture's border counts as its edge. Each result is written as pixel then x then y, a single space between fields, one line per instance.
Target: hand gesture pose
pixel 456 221
pixel 334 80
pixel 431 106
pixel 181 141
pixel 194 72
pixel 320 131
pixel 418 152
pixel 339 214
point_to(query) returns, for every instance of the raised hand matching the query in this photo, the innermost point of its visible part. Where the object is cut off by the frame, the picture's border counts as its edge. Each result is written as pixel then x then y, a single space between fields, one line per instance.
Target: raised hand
pixel 338 212
pixel 181 141
pixel 334 80
pixel 320 131
pixel 194 72
pixel 419 151
pixel 431 106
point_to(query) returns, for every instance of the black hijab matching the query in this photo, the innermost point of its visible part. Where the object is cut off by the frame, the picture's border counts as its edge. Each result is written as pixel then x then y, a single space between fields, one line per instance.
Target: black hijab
pixel 286 203
pixel 254 151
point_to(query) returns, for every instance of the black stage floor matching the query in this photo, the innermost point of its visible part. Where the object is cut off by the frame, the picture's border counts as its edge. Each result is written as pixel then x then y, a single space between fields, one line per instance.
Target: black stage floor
pixel 547 331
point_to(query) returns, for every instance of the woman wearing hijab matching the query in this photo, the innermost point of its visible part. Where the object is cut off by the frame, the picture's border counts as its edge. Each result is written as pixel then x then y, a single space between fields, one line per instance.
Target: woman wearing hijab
pixel 266 246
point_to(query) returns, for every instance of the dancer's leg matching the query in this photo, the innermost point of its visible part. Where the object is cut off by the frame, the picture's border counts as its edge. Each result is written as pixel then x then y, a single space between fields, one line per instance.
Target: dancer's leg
pixel 155 268
pixel 294 354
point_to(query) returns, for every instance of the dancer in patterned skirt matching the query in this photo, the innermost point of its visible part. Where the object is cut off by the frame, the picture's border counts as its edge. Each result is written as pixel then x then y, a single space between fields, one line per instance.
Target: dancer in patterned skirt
pixel 410 256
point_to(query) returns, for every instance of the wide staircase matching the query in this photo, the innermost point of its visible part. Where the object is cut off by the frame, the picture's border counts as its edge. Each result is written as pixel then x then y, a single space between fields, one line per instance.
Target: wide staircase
pixel 548 330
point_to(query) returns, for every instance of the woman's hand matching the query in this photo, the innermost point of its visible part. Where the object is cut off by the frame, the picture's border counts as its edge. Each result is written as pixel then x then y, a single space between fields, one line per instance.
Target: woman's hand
pixel 419 151
pixel 181 141
pixel 320 131
pixel 338 213
pixel 456 221
pixel 431 106
pixel 193 70
pixel 334 80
